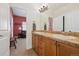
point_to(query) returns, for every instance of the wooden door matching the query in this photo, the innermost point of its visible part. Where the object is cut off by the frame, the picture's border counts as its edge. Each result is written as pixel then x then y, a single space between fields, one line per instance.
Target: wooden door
pixel 66 50
pixel 50 48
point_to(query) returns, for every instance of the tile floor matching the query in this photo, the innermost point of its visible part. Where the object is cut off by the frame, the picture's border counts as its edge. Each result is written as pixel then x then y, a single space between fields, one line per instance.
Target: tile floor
pixel 21 49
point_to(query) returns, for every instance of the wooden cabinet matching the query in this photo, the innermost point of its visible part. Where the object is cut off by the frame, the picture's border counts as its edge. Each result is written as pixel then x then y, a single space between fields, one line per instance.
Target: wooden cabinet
pixel 66 50
pixel 50 47
pixel 45 46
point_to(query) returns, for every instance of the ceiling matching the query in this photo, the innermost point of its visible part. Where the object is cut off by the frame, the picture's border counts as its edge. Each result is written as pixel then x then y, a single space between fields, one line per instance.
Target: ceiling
pixel 19 11
pixel 20 8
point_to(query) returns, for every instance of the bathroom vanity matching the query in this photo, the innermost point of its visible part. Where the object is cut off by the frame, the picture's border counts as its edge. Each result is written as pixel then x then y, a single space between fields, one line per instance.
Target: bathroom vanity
pixel 52 44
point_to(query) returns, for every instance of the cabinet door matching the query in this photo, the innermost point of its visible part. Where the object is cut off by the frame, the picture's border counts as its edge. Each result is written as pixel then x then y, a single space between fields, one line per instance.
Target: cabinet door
pixel 41 46
pixel 66 50
pixel 50 49
pixel 33 41
pixel 36 43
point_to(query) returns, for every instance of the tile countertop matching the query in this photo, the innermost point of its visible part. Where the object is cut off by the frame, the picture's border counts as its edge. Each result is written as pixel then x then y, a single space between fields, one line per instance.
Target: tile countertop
pixel 70 40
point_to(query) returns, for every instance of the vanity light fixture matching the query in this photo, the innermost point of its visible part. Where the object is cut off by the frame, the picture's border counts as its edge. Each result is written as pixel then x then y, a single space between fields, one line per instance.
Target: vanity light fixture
pixel 43 8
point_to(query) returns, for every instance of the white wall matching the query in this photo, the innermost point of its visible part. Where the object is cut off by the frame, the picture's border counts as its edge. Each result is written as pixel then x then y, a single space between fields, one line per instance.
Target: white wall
pixel 4 29
pixel 10 23
pixel 31 16
pixel 43 20
pixel 4 16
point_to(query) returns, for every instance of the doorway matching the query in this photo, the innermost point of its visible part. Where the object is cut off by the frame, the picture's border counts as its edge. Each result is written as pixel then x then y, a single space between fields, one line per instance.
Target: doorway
pixel 18 33
pixel 19 26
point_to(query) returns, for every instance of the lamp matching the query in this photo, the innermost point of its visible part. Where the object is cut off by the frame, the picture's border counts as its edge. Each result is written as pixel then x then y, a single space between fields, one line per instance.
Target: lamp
pixel 20 28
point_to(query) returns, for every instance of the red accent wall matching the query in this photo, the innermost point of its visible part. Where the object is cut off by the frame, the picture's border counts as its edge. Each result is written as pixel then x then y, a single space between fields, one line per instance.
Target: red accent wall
pixel 17 22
